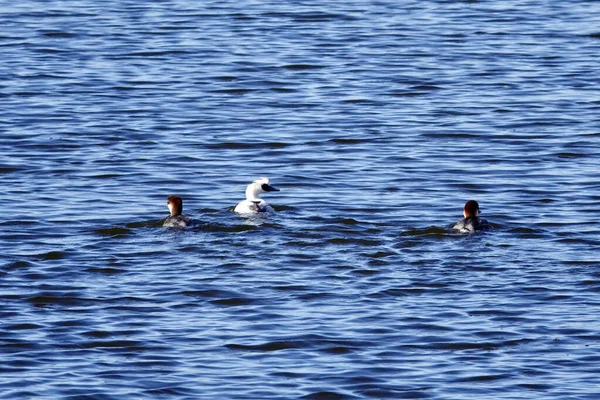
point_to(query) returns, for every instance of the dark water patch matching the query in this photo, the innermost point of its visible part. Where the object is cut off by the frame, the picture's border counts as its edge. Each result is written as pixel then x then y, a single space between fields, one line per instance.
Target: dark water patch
pixel 54 14
pixel 72 322
pixel 9 169
pixel 407 93
pixel 59 34
pixel 158 54
pixel 570 332
pixel 352 241
pixel 252 225
pixel 15 265
pixel 106 270
pixel 399 392
pixel 26 94
pixel 588 283
pixel 115 232
pixel 7 369
pixel 124 88
pixel 450 135
pixel 525 231
pixel 18 345
pixel 130 345
pixel 579 240
pixel 243 17
pixel 24 326
pixel 283 90
pixel 235 92
pixel 350 140
pixel 427 327
pixel 64 299
pixel 494 313
pixel 536 386
pixel 484 378
pixel 328 395
pixel 209 294
pixel 120 231
pixel 247 145
pixel 267 347
pixel 399 292
pixel 35 277
pixel 106 176
pixel 345 221
pixel 590 359
pixel 235 302
pixel 362 101
pixel 53 51
pixel 570 155
pixel 381 253
pixel 316 295
pixel 338 350
pixel 431 231
pixel 53 255
pixel 21 222
pixel 229 265
pixel 284 208
pixel 98 334
pixel 170 391
pixel 226 78
pixel 293 288
pixel 303 67
pixel 365 272
pixel 426 87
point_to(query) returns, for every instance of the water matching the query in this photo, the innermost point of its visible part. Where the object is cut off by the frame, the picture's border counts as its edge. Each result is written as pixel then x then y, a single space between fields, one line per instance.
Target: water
pixel 378 120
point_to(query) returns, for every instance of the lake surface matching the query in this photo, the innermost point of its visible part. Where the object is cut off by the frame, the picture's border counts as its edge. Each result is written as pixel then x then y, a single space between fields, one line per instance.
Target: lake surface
pixel 377 120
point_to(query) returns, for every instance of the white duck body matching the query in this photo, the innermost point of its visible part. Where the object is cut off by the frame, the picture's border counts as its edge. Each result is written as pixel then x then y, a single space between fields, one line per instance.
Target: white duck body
pixel 253 203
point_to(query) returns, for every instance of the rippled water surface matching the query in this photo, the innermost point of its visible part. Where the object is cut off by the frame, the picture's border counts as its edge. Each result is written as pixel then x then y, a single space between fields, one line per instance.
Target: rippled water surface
pixel 378 120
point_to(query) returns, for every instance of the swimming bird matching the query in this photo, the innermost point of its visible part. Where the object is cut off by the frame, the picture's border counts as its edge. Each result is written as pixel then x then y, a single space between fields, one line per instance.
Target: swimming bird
pixel 253 203
pixel 175 220
pixel 472 222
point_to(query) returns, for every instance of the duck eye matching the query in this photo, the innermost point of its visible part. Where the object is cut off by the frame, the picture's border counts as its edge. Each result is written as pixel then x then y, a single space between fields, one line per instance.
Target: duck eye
pixel 265 187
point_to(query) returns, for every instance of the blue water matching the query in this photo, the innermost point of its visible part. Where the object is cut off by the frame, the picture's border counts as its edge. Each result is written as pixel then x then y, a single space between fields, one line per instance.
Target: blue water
pixel 378 120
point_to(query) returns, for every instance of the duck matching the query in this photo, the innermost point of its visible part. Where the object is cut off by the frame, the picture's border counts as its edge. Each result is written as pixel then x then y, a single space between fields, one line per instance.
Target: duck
pixel 176 219
pixel 253 203
pixel 472 222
